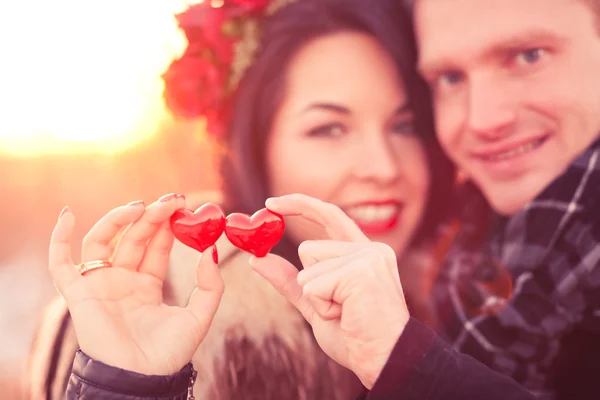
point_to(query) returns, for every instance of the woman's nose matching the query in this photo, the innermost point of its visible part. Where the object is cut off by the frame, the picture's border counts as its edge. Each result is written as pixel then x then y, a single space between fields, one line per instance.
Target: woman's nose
pixel 376 161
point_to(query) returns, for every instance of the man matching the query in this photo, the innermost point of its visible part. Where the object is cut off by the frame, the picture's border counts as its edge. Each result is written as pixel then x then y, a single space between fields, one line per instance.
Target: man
pixel 516 92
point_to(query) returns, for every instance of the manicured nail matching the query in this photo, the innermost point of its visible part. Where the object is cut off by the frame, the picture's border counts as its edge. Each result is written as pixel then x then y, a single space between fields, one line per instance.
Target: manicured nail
pixel 135 203
pixel 167 197
pixel 65 210
pixel 215 255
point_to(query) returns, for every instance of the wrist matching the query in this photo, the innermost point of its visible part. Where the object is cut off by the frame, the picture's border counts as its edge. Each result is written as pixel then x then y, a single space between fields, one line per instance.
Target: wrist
pixel 124 362
pixel 379 358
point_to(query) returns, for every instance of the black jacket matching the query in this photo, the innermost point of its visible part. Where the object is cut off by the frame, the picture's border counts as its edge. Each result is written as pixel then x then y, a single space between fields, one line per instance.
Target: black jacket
pixel 421 367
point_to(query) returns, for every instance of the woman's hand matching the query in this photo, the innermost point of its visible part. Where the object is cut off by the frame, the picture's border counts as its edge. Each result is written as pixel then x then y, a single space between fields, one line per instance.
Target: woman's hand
pixel 349 290
pixel 118 312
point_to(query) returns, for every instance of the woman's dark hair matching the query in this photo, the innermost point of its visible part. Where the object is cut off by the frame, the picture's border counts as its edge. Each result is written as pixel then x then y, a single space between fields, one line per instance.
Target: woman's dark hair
pixel 243 168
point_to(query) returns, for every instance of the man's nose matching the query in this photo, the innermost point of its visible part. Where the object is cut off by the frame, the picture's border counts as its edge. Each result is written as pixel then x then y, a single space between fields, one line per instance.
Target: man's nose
pixel 491 112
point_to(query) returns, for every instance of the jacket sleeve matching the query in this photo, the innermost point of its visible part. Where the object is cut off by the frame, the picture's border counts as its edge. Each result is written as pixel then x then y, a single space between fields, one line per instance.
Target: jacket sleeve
pixel 91 379
pixel 422 366
pixel 53 350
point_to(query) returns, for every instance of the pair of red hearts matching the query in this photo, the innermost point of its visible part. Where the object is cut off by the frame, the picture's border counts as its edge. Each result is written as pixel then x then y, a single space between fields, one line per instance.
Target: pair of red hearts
pixel 256 234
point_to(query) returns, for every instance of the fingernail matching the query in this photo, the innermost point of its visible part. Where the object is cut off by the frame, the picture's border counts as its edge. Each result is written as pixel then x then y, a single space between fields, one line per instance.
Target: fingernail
pixel 180 196
pixel 215 255
pixel 253 261
pixel 65 210
pixel 135 203
pixel 167 197
pixel 272 201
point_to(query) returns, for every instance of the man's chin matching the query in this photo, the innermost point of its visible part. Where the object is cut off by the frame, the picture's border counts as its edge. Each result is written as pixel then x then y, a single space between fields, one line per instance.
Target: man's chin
pixel 506 207
pixel 507 200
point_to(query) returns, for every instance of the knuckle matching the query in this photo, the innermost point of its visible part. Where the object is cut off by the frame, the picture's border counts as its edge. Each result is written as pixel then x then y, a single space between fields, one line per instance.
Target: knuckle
pixel 369 253
pixel 137 243
pixel 386 251
pixel 162 251
pixel 289 283
pixel 372 258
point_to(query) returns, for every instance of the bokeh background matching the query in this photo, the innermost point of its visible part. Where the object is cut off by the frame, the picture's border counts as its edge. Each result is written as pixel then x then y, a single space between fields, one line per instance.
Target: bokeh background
pixel 82 123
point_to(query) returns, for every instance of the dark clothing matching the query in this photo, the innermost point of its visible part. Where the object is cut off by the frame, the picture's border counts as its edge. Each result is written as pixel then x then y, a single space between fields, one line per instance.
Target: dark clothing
pixel 421 367
pixel 92 379
pixel 545 333
pixel 424 367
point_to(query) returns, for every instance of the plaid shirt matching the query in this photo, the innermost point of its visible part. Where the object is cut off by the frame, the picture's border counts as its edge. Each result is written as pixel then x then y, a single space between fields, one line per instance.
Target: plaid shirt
pixel 551 251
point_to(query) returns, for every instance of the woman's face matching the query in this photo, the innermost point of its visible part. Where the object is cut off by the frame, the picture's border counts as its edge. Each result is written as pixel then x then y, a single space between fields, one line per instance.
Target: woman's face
pixel 344 134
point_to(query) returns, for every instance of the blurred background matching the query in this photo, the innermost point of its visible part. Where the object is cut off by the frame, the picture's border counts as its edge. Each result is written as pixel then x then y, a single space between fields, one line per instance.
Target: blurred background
pixel 82 123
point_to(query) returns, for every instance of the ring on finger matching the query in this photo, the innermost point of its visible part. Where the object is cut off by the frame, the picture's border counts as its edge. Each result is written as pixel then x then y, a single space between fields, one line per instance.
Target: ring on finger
pixel 92 265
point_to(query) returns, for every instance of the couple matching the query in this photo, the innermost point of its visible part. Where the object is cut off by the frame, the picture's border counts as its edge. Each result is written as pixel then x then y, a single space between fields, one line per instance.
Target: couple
pixel 332 107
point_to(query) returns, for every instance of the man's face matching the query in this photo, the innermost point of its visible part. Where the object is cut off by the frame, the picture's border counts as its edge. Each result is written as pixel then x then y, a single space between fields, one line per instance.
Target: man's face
pixel 516 88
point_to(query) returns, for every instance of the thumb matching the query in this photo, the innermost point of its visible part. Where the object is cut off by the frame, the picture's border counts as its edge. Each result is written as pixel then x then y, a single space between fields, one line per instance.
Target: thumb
pixel 60 263
pixel 283 276
pixel 206 297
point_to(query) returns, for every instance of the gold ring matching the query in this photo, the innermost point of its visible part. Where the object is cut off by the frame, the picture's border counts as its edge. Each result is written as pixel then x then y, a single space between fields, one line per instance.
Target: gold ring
pixel 91 265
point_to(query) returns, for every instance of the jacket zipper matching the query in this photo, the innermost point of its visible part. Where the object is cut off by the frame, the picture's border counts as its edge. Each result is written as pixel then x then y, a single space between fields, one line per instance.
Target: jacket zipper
pixel 190 395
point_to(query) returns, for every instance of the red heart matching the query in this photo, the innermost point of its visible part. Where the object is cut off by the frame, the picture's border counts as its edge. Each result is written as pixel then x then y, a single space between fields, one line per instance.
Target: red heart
pixel 256 234
pixel 200 229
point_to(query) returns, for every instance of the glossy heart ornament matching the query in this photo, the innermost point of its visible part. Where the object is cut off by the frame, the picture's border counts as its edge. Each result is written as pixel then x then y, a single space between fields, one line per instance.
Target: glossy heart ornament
pixel 200 229
pixel 256 234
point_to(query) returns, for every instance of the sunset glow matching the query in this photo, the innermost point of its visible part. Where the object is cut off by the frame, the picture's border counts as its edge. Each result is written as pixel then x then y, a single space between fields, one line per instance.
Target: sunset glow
pixel 82 75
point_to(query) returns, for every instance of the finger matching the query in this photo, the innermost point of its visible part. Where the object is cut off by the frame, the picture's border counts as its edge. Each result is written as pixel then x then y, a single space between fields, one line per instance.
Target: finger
pixel 326 308
pixel 97 244
pixel 337 224
pixel 328 292
pixel 205 298
pixel 312 252
pixel 324 267
pixel 181 201
pixel 156 257
pixel 282 275
pixel 132 245
pixel 60 263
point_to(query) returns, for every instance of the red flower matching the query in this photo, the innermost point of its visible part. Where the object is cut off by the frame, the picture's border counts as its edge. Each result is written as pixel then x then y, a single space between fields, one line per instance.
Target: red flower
pixel 252 5
pixel 203 26
pixel 218 118
pixel 193 86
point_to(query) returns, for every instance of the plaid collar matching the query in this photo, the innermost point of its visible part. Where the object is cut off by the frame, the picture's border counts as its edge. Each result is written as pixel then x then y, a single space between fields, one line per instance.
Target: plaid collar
pixel 512 318
pixel 543 220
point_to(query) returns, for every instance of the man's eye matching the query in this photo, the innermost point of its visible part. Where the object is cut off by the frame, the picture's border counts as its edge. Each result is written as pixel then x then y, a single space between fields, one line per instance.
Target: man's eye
pixel 529 56
pixel 451 78
pixel 447 79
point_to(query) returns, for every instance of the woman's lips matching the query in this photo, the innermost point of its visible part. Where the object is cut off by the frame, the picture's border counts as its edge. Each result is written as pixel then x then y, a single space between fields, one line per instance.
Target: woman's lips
pixel 375 217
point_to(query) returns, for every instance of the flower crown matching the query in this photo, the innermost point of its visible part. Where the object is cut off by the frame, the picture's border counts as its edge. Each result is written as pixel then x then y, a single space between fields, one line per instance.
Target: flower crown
pixel 222 43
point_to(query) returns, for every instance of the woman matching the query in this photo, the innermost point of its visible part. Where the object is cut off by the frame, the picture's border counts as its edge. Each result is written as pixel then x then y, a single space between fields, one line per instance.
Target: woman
pixel 330 106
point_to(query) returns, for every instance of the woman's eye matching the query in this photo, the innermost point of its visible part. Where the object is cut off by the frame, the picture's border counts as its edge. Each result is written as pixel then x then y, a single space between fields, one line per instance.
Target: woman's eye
pixel 331 130
pixel 404 128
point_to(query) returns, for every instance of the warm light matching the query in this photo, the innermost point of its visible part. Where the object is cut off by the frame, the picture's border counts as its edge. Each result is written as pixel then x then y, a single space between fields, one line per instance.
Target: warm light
pixel 81 75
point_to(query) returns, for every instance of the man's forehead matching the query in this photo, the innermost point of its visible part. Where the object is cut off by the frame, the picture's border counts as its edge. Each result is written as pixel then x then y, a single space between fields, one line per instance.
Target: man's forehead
pixel 451 30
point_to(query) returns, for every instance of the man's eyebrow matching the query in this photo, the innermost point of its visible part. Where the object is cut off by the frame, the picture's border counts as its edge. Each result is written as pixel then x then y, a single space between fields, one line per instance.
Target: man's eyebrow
pixel 516 42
